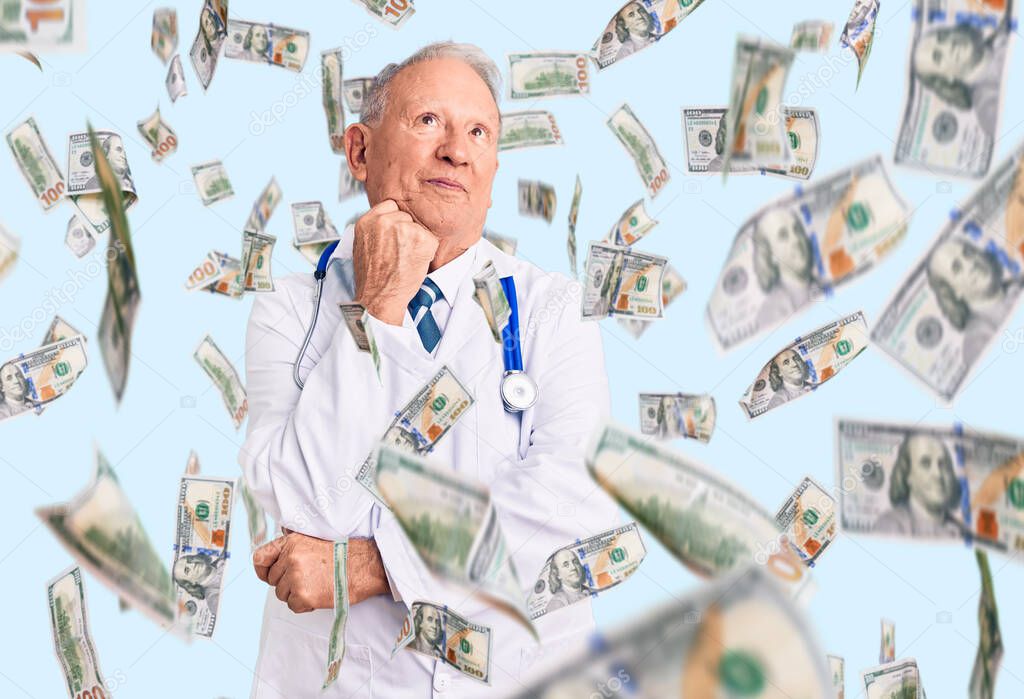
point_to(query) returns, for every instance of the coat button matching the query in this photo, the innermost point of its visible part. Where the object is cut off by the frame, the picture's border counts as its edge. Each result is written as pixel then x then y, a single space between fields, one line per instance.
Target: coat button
pixel 441 683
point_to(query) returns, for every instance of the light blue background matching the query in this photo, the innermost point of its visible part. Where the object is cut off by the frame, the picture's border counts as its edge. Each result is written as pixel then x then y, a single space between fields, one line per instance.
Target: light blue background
pixel 49 458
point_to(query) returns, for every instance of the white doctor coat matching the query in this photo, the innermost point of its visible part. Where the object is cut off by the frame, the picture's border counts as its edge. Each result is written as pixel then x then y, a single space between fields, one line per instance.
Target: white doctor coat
pixel 304 447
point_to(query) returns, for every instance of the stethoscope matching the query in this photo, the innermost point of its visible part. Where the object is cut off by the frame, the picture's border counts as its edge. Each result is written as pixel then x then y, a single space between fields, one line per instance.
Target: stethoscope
pixel 518 391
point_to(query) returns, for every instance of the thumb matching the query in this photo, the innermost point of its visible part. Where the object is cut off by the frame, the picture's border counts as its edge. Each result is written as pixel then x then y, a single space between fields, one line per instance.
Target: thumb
pixel 267 554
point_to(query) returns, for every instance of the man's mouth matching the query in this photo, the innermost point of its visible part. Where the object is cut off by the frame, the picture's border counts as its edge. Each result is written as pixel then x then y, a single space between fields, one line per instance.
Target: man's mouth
pixel 445 183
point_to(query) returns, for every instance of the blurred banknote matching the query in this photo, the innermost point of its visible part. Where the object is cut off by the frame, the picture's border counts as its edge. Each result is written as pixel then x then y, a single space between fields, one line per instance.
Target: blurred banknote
pixel 393 12
pixel 267 43
pixel 709 524
pixel 158 135
pixel 859 32
pixel 203 528
pixel 581 570
pixel 32 380
pixel 808 518
pixel 638 25
pixel 622 282
pixel 641 147
pixel 671 286
pixel 547 74
pixel 755 134
pixel 436 631
pixel 811 35
pixel 503 242
pixel 212 183
pixel 797 249
pixel 257 252
pixel 336 641
pixel 490 295
pixel 528 129
pixel 355 89
pixel 256 516
pixel 312 224
pixel 78 238
pixel 887 645
pixel 213 23
pixel 633 225
pixel 806 364
pixel 175 80
pixel 934 483
pixel 352 314
pixel 330 68
pixel 264 206
pixel 837 667
pixel 990 638
pixel 704 130
pixel 899 679
pixel 673 415
pixel 224 377
pixel 10 244
pixel 164 38
pixel 537 199
pixel 36 163
pixel 958 60
pixel 955 300
pixel 349 186
pixel 574 214
pixel 740 637
pixel 101 529
pixel 44 26
pixel 72 638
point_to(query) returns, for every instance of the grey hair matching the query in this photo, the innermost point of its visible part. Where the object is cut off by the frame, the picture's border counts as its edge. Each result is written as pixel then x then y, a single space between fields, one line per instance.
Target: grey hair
pixel 473 56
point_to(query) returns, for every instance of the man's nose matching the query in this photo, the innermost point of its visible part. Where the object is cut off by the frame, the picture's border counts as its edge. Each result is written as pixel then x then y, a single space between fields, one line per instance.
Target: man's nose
pixel 454 148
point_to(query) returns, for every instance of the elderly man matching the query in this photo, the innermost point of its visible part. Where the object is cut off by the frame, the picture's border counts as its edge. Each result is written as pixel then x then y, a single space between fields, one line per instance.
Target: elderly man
pixel 427 150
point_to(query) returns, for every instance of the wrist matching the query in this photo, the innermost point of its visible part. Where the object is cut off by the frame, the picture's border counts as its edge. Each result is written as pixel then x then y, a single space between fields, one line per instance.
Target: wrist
pixel 386 312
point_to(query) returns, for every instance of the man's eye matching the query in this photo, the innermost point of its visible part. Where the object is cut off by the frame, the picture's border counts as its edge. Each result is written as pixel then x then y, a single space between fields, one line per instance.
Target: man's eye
pixel 428 119
pixel 477 131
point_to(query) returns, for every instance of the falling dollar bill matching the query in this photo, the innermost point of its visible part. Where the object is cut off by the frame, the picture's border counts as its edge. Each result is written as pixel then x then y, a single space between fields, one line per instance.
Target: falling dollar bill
pixel 355 90
pixel 641 147
pixel 704 131
pixel 48 26
pixel 203 528
pixel 438 632
pixel 537 199
pixel 256 516
pixel 953 303
pixel 158 135
pixel 958 61
pixel 84 185
pixel 213 22
pixel 806 364
pixel 674 415
pixel 192 466
pixel 10 245
pixel 175 80
pixel 528 129
pixel 206 273
pixel 931 483
pixel 78 238
pixel 164 38
pixel 990 638
pixel 574 212
pixel 33 380
pixel 799 248
pixel 492 299
pixel 264 206
pixel 633 225
pixel 224 377
pixel 218 274
pixel 547 74
pixel 336 641
pixel 352 314
pixel 622 282
pixel 36 163
pixel 312 224
pixel 837 668
pixel 755 133
pixel 212 183
pixel 101 529
pixel 392 12
pixel 267 43
pixel 808 518
pixel 72 638
pixel 711 525
pixel 672 284
pixel 887 643
pixel 637 25
pixel 453 525
pixel 503 242
pixel 421 423
pixel 812 35
pixel 581 570
pixel 859 32
pixel 738 637
pixel 900 678
pixel 257 251
pixel 331 67
pixel 348 185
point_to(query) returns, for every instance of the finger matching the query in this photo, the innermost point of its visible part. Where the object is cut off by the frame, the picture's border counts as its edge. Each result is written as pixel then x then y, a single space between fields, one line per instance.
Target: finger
pixel 277 571
pixel 382 207
pixel 261 572
pixel 265 555
pixel 284 590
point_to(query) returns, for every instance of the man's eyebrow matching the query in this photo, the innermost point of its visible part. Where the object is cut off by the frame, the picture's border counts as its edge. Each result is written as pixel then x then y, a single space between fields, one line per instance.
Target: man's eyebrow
pixel 434 104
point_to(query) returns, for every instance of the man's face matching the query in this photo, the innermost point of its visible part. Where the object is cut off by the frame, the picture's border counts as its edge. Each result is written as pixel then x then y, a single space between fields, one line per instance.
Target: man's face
pixel 930 468
pixel 435 150
pixel 635 18
pixel 967 269
pixel 12 384
pixel 567 567
pixel 259 40
pixel 430 624
pixel 791 367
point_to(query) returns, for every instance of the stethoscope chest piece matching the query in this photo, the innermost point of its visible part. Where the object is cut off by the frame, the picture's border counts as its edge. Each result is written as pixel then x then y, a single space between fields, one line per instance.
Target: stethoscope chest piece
pixel 518 391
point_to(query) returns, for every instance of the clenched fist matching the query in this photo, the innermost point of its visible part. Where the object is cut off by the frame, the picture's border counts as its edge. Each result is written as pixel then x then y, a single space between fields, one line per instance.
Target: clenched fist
pixel 301 569
pixel 391 254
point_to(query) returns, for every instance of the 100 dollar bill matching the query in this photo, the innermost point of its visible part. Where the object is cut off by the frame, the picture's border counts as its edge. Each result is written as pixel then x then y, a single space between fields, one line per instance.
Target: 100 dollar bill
pixel 266 43
pixel 72 638
pixel 528 129
pixel 224 377
pixel 36 163
pixel 641 147
pixel 438 632
pixel 672 415
pixel 33 380
pixel 547 74
pixel 622 282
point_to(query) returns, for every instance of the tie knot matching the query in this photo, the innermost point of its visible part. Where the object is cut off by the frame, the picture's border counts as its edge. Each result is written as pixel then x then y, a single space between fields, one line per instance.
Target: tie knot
pixel 429 293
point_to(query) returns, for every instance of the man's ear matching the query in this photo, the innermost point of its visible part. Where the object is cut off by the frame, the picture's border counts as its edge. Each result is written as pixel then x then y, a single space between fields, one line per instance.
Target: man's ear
pixel 357 138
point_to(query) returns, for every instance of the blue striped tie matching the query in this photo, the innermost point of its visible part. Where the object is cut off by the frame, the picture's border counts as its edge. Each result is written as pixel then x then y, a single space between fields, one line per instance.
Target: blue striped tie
pixel 419 309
